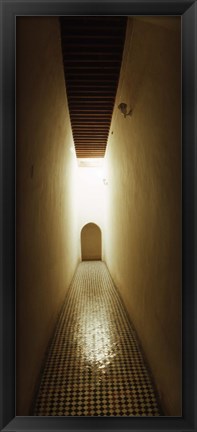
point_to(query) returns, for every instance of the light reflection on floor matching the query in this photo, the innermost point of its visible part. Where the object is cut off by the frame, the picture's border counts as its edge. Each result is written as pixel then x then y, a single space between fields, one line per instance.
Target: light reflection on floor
pixel 95 367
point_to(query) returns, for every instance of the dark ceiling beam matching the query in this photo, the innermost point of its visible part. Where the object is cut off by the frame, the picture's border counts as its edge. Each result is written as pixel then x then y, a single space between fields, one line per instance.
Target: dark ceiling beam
pixel 92 48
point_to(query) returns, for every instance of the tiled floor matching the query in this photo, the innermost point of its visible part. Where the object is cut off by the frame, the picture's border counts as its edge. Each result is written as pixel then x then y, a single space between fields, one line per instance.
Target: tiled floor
pixel 94 366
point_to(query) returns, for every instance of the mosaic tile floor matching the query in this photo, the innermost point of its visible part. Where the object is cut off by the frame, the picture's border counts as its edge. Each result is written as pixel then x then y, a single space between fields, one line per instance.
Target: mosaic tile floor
pixel 94 366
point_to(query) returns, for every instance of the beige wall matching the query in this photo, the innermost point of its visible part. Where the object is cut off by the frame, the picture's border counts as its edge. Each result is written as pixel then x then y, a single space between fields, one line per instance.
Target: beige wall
pixel 47 245
pixel 143 230
pixel 91 242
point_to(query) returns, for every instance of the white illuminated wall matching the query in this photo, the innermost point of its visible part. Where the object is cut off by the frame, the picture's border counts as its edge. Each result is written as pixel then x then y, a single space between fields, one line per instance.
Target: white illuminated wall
pixel 91 191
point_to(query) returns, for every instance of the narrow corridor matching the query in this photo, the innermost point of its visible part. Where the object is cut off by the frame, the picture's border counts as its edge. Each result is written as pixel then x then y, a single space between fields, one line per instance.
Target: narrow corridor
pixel 94 365
pixel 81 162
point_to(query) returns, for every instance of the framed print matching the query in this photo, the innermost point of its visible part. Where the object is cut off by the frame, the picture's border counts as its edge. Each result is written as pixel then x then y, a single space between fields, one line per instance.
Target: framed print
pixel 98 210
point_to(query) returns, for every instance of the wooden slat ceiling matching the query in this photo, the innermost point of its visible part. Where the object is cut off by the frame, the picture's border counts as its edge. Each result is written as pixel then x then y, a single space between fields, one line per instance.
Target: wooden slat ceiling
pixel 92 48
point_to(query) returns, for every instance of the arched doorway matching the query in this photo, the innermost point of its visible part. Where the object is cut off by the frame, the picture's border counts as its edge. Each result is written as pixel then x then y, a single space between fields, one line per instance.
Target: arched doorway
pixel 91 242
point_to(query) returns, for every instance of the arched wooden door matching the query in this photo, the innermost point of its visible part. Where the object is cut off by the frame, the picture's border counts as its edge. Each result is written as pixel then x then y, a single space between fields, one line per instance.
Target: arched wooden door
pixel 91 242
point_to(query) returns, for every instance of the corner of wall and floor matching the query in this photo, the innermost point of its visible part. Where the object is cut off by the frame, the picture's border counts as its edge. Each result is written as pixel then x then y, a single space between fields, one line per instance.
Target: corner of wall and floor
pixel 143 162
pixel 47 242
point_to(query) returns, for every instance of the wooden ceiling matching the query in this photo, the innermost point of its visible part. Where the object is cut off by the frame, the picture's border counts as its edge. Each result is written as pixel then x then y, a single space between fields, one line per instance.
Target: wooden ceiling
pixel 92 48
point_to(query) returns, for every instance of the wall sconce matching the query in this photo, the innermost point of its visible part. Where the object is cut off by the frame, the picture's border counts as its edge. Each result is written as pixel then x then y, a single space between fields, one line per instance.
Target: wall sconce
pixel 123 109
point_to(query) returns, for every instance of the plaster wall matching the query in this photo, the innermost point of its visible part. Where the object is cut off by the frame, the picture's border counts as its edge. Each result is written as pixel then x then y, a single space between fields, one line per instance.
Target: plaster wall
pixel 48 249
pixel 143 224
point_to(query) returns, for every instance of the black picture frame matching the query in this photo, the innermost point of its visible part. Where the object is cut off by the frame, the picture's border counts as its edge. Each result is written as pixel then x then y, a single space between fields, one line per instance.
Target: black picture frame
pixel 8 12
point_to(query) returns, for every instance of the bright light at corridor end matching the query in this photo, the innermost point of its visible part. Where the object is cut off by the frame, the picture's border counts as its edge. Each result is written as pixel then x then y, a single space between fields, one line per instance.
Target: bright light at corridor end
pixel 92 167
pixel 91 191
pixel 90 162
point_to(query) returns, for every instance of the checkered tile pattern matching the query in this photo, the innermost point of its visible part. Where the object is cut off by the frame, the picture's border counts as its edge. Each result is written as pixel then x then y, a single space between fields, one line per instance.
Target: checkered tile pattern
pixel 94 366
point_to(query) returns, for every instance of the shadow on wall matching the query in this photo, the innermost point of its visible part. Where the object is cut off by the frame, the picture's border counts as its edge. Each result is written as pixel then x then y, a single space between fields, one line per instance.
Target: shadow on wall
pixel 91 242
